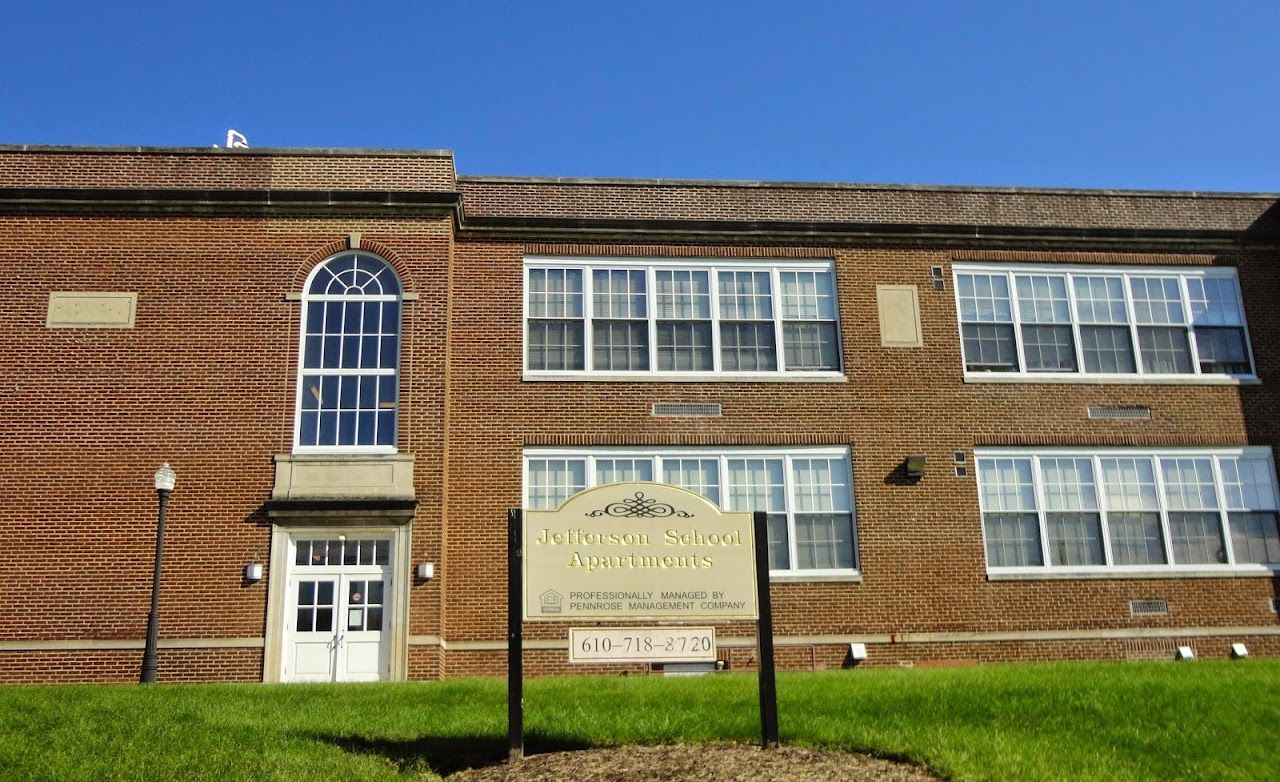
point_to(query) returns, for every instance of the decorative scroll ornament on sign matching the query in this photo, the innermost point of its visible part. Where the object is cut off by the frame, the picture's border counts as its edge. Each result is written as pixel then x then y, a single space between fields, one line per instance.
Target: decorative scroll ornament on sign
pixel 640 507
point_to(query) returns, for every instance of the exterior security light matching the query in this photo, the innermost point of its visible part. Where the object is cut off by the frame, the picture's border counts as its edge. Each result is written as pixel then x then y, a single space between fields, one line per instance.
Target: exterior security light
pixel 253 571
pixel 1186 653
pixel 915 466
pixel 1238 651
pixel 426 571
pixel 857 652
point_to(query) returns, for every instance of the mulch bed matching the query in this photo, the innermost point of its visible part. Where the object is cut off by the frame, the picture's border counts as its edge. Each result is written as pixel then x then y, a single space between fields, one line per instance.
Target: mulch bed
pixel 698 763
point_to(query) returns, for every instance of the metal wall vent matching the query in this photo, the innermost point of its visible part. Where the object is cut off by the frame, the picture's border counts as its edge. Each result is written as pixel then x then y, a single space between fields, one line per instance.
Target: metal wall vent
pixel 1123 412
pixel 1148 607
pixel 687 409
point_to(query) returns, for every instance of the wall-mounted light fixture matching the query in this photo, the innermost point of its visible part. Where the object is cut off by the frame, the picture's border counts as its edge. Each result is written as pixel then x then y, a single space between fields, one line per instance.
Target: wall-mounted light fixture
pixel 1185 653
pixel 915 465
pixel 1239 651
pixel 857 652
pixel 426 571
pixel 253 571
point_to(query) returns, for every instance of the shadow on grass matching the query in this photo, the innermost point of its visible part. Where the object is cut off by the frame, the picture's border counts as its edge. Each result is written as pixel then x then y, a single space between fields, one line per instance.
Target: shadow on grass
pixel 444 755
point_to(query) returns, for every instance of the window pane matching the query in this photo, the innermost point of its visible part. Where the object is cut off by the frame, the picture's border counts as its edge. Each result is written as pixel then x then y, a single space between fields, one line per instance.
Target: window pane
pixel 1222 351
pixel 1188 483
pixel 1005 484
pixel 1247 483
pixel 748 347
pixel 810 345
pixel 1068 484
pixel 552 481
pixel 989 348
pixel 1107 349
pixel 1042 298
pixel 745 295
pixel 555 293
pixel 984 298
pixel 698 475
pixel 620 345
pixel 1013 539
pixel 757 484
pixel 1197 539
pixel 779 544
pixel 1100 300
pixel 807 296
pixel 1136 538
pixel 821 486
pixel 1157 300
pixel 1074 538
pixel 1048 348
pixel 685 346
pixel 1254 538
pixel 623 470
pixel 683 294
pixel 556 344
pixel 1130 484
pixel 1164 350
pixel 618 293
pixel 1214 302
pixel 824 541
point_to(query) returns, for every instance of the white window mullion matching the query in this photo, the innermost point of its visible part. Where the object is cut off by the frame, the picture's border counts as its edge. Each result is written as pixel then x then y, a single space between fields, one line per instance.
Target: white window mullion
pixel 1037 486
pixel 775 305
pixel 1132 314
pixel 1015 312
pixel 1192 346
pixel 714 275
pixel 588 313
pixel 651 310
pixel 1100 489
pixel 1163 509
pixel 790 511
pixel 1224 513
pixel 1074 320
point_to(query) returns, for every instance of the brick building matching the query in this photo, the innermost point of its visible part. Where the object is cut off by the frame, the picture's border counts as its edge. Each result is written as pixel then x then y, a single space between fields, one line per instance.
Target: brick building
pixel 357 361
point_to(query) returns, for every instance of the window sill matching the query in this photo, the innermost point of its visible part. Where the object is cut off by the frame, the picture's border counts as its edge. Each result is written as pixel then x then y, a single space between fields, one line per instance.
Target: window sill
pixel 1137 380
pixel 686 377
pixel 789 577
pixel 1226 571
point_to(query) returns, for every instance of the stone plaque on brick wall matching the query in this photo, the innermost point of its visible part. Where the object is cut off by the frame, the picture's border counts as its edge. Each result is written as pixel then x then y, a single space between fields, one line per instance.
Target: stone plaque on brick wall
pixel 91 310
pixel 638 550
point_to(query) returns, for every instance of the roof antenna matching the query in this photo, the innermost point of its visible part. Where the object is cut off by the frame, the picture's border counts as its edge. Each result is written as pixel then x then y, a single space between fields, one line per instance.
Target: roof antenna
pixel 235 140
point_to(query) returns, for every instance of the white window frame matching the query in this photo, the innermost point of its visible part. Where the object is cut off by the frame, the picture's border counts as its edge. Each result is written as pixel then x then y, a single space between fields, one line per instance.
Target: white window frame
pixel 307 299
pixel 775 267
pixel 1022 374
pixel 1096 455
pixel 723 455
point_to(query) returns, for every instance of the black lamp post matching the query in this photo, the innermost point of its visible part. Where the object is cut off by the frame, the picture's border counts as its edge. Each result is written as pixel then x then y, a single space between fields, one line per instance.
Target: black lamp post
pixel 165 479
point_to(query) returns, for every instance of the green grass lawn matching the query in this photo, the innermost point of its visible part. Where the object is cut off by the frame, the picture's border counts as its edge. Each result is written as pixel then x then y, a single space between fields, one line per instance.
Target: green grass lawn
pixel 1204 720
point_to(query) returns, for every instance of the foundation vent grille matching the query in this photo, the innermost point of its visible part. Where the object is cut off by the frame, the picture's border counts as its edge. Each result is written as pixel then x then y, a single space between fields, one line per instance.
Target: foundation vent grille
pixel 1120 412
pixel 687 409
pixel 1148 607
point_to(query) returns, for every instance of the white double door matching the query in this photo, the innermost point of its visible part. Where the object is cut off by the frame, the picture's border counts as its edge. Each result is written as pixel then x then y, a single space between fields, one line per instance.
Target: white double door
pixel 336 620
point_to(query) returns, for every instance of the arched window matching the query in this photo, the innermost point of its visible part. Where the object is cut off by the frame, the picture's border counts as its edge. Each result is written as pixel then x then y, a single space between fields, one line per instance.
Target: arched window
pixel 350 356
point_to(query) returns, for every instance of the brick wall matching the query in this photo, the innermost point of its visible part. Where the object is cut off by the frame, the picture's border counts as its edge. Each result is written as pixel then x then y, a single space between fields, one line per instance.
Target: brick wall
pixel 920 545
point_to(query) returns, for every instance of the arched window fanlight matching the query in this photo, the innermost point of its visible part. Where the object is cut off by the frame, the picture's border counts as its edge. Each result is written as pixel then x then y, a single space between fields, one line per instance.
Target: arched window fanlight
pixel 350 356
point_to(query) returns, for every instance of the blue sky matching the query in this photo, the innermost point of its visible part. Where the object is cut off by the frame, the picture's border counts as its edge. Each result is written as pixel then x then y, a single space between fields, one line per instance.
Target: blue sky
pixel 1167 95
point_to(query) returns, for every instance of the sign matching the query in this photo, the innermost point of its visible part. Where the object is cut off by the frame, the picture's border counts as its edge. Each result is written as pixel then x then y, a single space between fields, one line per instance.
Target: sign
pixel 642 645
pixel 639 551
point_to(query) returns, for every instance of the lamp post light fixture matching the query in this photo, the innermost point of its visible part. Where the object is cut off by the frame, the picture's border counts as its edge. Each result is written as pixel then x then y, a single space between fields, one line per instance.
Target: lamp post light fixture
pixel 165 480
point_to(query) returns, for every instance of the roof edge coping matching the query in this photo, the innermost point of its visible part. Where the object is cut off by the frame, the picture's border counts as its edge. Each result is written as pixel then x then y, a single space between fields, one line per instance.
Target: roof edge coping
pixel 250 151
pixel 765 184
